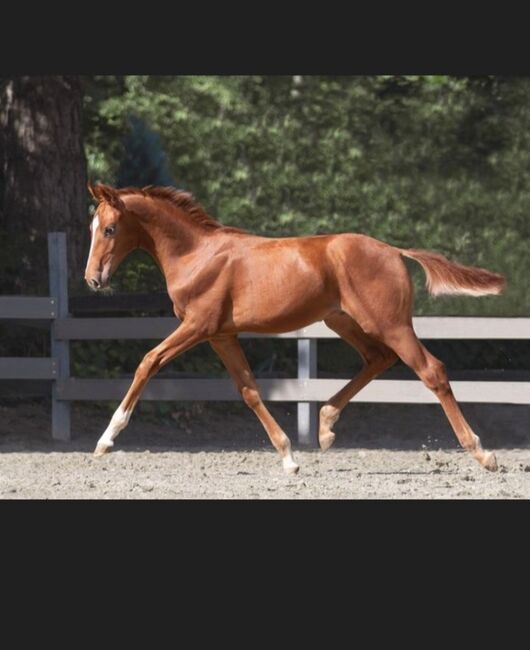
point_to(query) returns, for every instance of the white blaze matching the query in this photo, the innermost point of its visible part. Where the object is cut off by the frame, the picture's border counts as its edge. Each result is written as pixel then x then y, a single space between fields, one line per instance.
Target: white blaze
pixel 95 226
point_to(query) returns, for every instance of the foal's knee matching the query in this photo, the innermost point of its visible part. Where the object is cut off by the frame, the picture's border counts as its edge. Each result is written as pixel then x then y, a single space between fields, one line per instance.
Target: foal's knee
pixel 145 367
pixel 148 366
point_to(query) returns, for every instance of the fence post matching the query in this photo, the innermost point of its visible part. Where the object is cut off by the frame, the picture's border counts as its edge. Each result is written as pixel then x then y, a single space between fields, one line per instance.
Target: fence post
pixel 307 411
pixel 58 270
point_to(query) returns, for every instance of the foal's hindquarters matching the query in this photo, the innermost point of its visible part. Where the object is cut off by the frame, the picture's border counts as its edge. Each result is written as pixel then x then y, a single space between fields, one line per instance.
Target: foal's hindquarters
pixel 376 319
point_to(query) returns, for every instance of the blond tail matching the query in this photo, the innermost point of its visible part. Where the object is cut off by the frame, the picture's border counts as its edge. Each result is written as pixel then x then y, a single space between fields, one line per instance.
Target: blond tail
pixel 447 278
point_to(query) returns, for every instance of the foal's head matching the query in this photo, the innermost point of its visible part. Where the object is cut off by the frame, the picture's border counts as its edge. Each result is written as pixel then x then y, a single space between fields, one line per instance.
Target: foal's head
pixel 113 236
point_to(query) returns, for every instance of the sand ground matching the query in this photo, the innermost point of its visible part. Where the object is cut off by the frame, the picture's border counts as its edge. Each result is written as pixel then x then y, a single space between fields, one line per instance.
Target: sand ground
pixel 401 452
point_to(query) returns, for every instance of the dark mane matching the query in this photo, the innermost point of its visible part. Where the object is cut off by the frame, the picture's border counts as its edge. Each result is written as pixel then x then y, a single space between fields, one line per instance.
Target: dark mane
pixel 183 200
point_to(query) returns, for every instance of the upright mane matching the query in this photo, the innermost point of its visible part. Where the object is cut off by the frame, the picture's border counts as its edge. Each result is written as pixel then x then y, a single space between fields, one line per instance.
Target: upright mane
pixel 183 200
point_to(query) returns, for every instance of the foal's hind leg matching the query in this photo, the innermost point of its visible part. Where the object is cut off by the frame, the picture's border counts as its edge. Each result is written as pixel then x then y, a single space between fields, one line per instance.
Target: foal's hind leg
pixel 376 357
pixel 432 372
pixel 233 357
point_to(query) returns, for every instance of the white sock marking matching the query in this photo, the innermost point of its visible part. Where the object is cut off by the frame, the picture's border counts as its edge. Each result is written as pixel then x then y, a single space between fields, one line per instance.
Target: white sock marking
pixel 288 461
pixel 119 421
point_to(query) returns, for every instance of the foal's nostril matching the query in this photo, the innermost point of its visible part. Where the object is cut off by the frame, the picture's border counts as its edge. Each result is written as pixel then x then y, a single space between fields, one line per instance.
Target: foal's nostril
pixel 94 283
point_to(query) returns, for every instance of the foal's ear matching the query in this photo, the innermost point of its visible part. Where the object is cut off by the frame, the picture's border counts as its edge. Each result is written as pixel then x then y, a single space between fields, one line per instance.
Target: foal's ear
pixel 108 194
pixel 93 190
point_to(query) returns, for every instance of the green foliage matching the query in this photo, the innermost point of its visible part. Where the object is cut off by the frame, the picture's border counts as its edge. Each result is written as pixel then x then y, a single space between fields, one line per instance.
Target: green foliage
pixel 144 161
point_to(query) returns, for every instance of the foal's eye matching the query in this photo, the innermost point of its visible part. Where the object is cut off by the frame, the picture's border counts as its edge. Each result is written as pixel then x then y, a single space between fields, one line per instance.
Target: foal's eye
pixel 109 231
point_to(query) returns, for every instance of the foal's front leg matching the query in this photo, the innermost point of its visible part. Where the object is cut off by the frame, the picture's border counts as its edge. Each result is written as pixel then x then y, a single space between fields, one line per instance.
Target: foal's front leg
pixel 182 339
pixel 229 350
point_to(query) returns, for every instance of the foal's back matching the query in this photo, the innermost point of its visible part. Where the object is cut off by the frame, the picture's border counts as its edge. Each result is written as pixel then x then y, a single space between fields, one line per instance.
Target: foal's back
pixel 283 284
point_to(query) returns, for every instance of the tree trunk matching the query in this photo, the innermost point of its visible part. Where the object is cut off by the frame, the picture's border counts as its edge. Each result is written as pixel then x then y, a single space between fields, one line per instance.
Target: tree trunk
pixel 44 175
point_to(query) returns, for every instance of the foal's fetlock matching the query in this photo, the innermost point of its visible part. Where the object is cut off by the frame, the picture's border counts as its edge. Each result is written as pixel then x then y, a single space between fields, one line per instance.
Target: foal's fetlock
pixel 328 416
pixel 289 465
pixel 326 440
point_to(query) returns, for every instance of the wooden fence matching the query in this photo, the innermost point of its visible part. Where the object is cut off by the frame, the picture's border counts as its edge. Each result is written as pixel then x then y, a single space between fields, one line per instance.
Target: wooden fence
pixel 306 389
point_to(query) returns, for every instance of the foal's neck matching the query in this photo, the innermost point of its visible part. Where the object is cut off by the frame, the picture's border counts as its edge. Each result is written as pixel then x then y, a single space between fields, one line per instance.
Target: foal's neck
pixel 166 232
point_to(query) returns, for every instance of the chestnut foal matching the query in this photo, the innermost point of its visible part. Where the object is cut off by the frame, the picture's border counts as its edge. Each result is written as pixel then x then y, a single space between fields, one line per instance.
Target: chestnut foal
pixel 223 281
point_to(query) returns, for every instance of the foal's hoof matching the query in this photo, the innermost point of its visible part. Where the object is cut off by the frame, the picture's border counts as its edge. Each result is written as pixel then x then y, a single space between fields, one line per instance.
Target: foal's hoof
pixel 326 440
pixel 490 462
pixel 101 449
pixel 290 467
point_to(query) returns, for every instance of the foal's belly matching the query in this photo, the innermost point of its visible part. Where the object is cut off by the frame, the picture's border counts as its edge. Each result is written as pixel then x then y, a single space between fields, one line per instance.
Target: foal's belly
pixel 282 300
pixel 278 323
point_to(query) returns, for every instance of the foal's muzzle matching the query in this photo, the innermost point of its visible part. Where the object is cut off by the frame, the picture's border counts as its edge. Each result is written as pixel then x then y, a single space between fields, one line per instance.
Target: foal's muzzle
pixel 94 283
pixel 97 282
